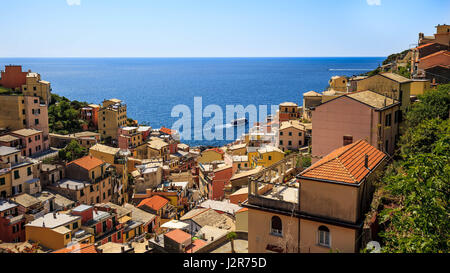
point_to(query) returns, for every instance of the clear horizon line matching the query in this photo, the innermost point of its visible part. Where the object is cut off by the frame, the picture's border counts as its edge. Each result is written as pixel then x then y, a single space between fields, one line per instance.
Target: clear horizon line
pixel 173 57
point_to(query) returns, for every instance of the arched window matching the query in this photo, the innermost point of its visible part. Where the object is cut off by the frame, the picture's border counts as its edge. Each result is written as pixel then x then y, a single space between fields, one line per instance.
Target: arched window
pixel 324 236
pixel 277 226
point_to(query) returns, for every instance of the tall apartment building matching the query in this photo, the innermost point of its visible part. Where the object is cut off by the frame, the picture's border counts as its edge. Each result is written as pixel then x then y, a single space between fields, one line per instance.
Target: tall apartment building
pixel 25 112
pixel 36 87
pixel 112 115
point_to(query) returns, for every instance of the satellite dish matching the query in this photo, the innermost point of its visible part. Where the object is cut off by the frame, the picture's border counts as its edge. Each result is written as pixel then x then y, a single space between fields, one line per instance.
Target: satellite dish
pixel 374 247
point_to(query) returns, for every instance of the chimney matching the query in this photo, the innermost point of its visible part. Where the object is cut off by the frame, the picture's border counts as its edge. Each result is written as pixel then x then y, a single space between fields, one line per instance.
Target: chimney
pixel 54 215
pixel 366 161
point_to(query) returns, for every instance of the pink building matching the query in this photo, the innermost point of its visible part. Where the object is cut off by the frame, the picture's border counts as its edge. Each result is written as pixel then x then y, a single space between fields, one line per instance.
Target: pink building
pixel 129 138
pixel 31 141
pixel 348 118
pixel 37 117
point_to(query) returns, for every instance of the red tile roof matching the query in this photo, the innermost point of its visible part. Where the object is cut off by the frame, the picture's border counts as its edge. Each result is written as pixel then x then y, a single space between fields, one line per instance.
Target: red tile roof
pixel 87 162
pixel 178 236
pixel 425 45
pixel 445 52
pixel 196 245
pixel 78 248
pixel 155 202
pixel 217 150
pixel 166 131
pixel 242 210
pixel 346 164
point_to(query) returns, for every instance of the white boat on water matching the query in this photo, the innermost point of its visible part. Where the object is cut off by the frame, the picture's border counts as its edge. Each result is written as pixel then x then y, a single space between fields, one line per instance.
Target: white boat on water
pixel 239 121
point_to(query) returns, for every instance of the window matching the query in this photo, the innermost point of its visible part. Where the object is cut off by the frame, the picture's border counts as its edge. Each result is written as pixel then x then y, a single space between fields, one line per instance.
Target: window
pixel 324 236
pixel 348 140
pixel 119 235
pixel 36 121
pixel 299 143
pixel 281 142
pixel 386 146
pixel 67 236
pixel 2 181
pixel 36 101
pixel 270 157
pixel 91 188
pixel 276 227
pixel 281 133
pixel 290 143
pixel 300 134
pixel 16 174
pixel 75 225
pixel 29 171
pixel 290 133
pixel 388 120
pixel 398 116
pixel 81 193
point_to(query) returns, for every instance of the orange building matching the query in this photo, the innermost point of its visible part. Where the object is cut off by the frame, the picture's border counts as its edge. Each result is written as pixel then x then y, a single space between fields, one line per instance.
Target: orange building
pixel 324 212
pixel 13 77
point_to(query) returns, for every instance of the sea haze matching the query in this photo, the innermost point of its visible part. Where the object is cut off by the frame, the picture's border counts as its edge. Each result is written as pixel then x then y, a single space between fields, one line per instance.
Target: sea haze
pixel 151 87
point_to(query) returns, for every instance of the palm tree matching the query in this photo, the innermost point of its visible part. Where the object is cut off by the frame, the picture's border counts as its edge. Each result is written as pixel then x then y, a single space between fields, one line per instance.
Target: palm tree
pixel 231 236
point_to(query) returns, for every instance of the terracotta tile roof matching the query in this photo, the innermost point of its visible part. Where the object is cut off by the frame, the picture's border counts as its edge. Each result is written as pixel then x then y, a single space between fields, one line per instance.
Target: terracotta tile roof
pixel 425 45
pixel 445 52
pixel 178 236
pixel 196 245
pixel 78 248
pixel 217 150
pixel 346 164
pixel 155 202
pixel 88 162
pixel 372 99
pixel 242 210
pixel 166 131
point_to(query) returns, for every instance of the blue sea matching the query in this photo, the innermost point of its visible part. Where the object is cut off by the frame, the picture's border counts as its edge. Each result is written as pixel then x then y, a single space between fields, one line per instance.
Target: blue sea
pixel 151 87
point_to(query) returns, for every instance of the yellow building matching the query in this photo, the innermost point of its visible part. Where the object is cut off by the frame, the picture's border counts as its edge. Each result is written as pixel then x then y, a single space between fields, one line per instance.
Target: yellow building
pixel 242 220
pixel 265 156
pixel 211 155
pixel 114 157
pixel 5 183
pixel 338 83
pixel 158 148
pixel 56 231
pixel 12 114
pixel 36 87
pixel 394 86
pixel 111 117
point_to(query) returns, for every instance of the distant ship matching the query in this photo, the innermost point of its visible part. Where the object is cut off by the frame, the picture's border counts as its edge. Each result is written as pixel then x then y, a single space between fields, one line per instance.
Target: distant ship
pixel 239 121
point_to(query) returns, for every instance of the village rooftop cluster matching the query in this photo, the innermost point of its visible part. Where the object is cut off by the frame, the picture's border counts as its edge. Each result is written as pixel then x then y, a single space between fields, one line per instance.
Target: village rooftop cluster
pixel 302 181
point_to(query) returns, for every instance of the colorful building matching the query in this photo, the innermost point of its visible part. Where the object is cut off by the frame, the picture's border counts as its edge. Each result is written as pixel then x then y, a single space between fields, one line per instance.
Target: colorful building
pixel 265 156
pixel 210 155
pixel 24 112
pixel 361 115
pixel 13 77
pixel 35 87
pixel 56 230
pixel 90 114
pixel 323 211
pixel 288 111
pixel 291 135
pixel 12 224
pixel 129 138
pixel 112 115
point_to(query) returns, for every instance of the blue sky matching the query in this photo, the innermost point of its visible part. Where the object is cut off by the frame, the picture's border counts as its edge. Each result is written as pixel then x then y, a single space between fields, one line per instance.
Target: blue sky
pixel 215 28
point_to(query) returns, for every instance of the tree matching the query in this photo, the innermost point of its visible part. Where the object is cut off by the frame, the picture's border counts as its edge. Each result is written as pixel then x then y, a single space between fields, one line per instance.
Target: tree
pixel 231 237
pixel 72 151
pixel 433 104
pixel 418 220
